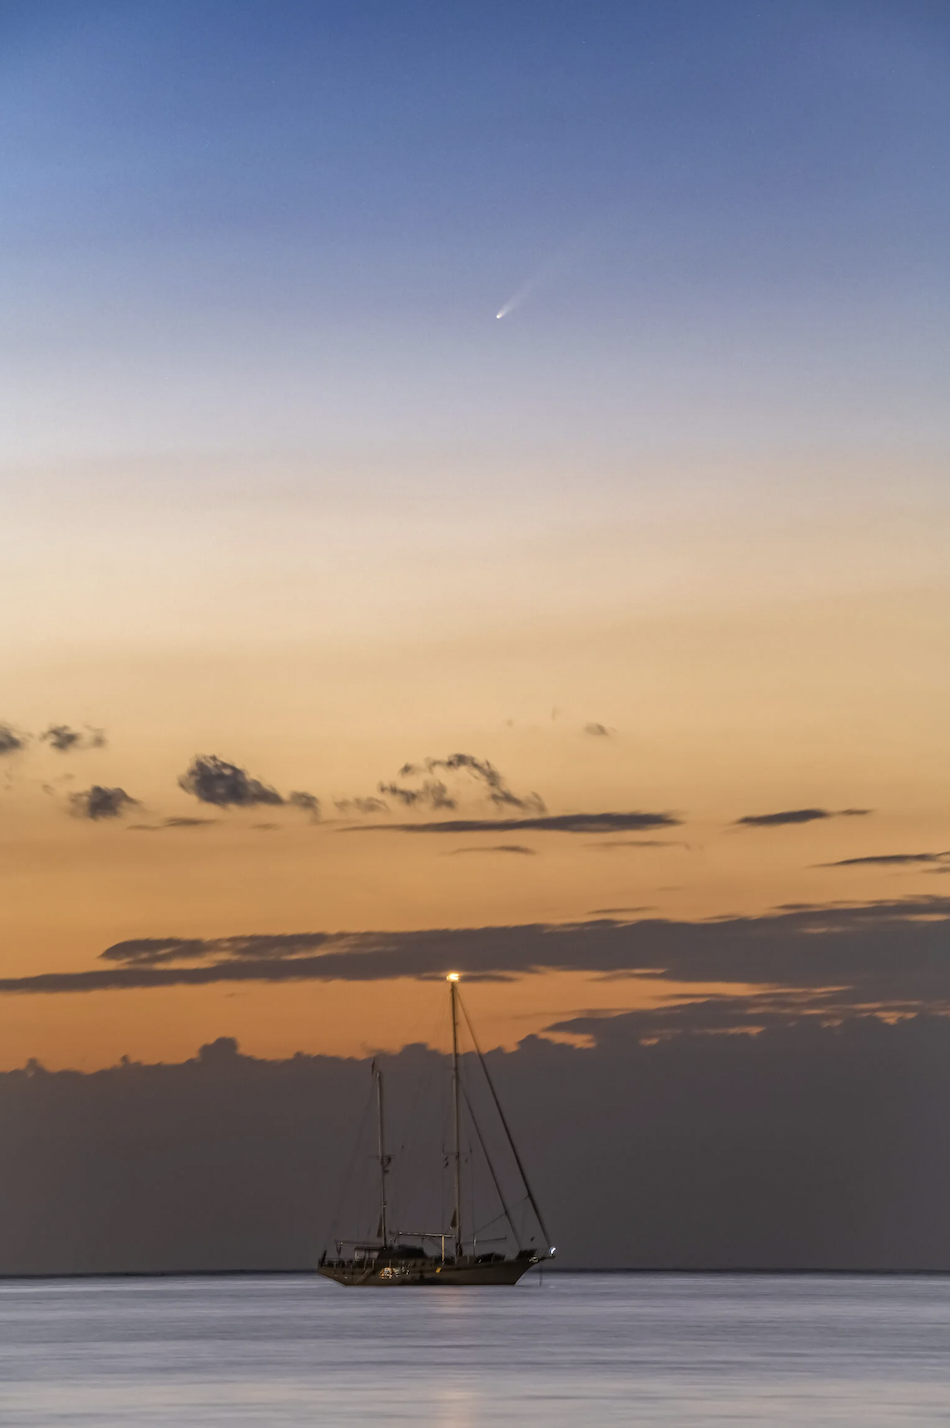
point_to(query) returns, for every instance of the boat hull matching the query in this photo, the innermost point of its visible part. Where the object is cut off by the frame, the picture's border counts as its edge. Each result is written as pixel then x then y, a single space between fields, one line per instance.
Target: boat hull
pixel 421 1273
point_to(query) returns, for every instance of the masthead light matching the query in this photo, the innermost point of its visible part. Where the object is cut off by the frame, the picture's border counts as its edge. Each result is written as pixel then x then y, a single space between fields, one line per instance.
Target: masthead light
pixel 452 977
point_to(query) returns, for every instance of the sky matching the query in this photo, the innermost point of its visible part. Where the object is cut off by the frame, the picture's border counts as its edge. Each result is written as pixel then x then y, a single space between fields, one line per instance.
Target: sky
pixel 532 418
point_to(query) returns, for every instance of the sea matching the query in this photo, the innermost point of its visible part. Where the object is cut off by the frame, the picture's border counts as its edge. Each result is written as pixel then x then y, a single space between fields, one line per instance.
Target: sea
pixel 564 1349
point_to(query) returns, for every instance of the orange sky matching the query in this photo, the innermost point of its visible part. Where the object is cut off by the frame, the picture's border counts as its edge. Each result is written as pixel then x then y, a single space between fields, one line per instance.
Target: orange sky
pixel 743 661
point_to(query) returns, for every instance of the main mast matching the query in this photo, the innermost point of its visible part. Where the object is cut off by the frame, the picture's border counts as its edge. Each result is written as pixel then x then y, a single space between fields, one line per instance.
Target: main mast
pixel 452 980
pixel 383 1158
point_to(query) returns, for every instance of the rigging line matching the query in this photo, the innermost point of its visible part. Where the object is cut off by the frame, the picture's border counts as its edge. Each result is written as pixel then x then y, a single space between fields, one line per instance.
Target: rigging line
pixel 345 1184
pixel 501 1114
pixel 481 1141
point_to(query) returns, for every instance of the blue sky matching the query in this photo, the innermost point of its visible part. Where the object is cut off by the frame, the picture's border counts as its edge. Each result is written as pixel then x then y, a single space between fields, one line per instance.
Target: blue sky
pixel 314 211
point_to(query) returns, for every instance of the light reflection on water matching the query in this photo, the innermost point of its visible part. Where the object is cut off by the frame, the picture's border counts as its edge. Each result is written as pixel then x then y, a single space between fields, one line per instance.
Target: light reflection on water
pixel 290 1352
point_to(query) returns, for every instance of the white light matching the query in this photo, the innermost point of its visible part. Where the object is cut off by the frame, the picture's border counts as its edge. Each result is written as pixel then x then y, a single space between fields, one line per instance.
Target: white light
pixel 452 977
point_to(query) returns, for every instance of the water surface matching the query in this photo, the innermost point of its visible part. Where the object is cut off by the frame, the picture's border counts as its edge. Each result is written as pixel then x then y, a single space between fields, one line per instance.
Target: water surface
pixel 572 1349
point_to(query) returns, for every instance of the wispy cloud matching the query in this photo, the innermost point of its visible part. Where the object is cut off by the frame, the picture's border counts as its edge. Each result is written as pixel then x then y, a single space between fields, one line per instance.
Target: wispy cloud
pixel 797 815
pixel 495 848
pixel 360 805
pixel 11 740
pixel 493 782
pixel 550 823
pixel 608 845
pixel 170 823
pixel 66 740
pixel 307 801
pixel 887 859
pixel 598 731
pixel 430 794
pixel 97 803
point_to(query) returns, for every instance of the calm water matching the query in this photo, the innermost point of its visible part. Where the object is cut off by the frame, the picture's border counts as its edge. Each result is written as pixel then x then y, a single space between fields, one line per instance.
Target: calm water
pixel 574 1350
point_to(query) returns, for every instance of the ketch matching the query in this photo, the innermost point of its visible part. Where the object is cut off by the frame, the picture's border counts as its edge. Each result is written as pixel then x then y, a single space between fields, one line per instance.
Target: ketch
pixel 455 1255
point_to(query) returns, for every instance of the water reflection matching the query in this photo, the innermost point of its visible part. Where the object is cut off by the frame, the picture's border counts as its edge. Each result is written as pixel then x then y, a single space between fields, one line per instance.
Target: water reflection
pixel 601 1351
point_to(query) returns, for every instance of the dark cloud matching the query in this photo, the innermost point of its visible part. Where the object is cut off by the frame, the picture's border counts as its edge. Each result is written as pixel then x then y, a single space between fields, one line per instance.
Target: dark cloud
pixel 550 823
pixel 881 956
pixel 150 951
pixel 66 740
pixel 886 859
pixel 598 731
pixel 307 801
pixel 431 794
pixel 360 805
pixel 213 780
pixel 797 815
pixel 11 742
pixel 496 848
pixel 803 1147
pixel 492 780
pixel 98 802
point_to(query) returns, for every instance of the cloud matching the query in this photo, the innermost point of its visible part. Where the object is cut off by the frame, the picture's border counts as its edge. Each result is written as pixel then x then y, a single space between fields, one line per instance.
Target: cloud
pixel 598 731
pixel 432 794
pixel 496 848
pixel 65 740
pixel 801 1148
pixel 11 742
pixel 834 961
pixel 360 805
pixel 168 823
pixel 98 802
pixel 551 823
pixel 797 815
pixel 150 951
pixel 494 783
pixel 618 911
pixel 608 846
pixel 307 801
pixel 213 780
pixel 886 859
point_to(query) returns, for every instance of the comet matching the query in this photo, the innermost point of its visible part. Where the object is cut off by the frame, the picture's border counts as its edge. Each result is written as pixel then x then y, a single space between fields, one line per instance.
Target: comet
pixel 537 280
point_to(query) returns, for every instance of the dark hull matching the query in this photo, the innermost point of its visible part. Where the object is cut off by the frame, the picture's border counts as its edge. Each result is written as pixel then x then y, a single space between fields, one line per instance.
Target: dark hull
pixel 426 1272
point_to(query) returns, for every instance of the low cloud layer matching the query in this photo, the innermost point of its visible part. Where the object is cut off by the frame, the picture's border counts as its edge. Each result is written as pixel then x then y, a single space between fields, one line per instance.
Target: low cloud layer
pixel 797 815
pixel 550 823
pixel 804 1147
pixel 97 803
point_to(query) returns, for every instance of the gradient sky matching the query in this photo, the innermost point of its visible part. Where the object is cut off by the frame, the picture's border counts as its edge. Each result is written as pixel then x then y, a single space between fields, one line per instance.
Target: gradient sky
pixel 671 536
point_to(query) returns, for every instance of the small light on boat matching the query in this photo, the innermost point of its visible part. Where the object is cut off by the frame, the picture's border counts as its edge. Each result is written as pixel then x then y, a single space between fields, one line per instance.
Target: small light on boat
pixel 452 977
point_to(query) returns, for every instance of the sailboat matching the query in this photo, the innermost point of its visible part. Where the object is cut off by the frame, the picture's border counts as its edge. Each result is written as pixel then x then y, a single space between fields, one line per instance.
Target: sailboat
pixel 442 1255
